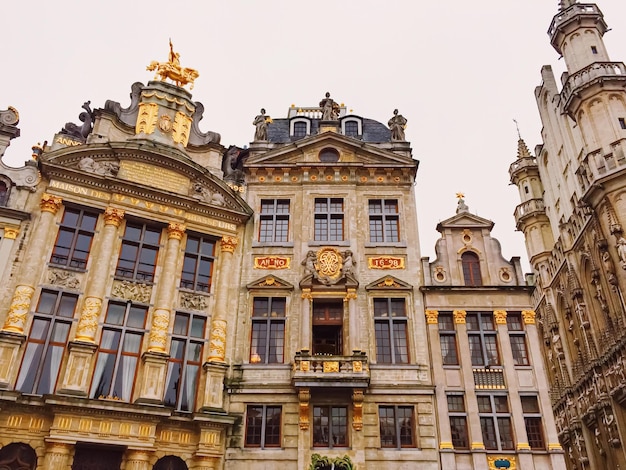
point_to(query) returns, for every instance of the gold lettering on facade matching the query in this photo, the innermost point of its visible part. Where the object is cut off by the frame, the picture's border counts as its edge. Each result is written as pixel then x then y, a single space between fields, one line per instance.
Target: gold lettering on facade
pixel 272 262
pixel 154 176
pixel 80 190
pixel 385 262
pixel 67 141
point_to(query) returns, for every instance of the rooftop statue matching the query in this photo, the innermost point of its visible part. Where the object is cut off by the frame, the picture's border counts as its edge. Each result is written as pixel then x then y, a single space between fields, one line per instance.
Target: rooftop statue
pixel 261 121
pixel 397 124
pixel 330 109
pixel 81 131
pixel 172 70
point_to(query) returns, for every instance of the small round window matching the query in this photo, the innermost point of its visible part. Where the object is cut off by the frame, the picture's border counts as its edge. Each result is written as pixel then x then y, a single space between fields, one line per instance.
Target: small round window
pixel 329 155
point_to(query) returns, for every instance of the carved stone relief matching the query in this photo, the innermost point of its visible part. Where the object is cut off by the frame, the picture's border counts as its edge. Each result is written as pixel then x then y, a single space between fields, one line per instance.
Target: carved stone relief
pixel 63 278
pixel 132 291
pixel 193 301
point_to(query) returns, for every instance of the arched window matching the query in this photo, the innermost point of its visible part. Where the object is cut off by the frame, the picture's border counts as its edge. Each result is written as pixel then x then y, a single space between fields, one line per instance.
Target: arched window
pixel 471 269
pixel 4 193
pixel 18 456
pixel 170 462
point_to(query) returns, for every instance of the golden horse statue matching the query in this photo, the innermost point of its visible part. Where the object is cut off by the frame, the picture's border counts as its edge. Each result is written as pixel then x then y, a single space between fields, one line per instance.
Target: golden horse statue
pixel 172 70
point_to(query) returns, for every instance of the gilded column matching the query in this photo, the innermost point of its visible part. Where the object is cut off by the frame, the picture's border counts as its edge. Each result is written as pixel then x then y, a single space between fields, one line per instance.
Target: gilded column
pixel 31 269
pixel 166 289
pixel 216 366
pixel 353 321
pixel 98 276
pixel 305 319
pixel 138 460
pixel 217 346
pixel 57 456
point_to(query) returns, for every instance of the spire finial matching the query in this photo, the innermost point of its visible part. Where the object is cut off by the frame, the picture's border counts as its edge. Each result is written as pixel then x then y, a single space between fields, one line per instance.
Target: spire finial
pixel 565 4
pixel 517 127
pixel 522 148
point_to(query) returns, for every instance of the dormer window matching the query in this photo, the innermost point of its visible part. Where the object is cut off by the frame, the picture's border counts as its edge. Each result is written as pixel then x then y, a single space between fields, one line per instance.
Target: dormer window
pixel 299 128
pixel 352 126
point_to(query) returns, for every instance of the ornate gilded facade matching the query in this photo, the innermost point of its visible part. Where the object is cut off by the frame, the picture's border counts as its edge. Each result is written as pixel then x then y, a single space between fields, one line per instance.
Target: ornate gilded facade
pixel 572 213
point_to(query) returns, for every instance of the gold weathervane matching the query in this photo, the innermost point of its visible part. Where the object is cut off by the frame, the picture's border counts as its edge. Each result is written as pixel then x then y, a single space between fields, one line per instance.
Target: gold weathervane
pixel 172 70
pixel 460 195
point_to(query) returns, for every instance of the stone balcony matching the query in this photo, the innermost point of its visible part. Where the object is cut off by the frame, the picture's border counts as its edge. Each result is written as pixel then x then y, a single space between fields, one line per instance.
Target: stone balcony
pixel 330 370
pixel 528 209
pixel 573 17
pixel 580 85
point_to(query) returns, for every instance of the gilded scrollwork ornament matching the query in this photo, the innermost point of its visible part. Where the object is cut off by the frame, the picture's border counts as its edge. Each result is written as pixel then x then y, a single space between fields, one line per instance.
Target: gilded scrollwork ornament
pixel 20 304
pixel 228 244
pixel 158 332
pixel 88 323
pixel 50 203
pixel 113 216
pixel 217 342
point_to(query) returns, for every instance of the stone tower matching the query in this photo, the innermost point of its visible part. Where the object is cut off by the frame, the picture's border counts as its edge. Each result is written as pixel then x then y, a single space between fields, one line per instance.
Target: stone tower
pixel 571 212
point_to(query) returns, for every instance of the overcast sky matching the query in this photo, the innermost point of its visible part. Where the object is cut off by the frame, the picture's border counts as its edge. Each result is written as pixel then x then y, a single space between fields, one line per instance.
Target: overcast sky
pixel 459 71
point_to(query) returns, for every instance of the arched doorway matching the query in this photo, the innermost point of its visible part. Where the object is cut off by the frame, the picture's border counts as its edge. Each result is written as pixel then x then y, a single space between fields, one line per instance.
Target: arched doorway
pixel 170 462
pixel 18 456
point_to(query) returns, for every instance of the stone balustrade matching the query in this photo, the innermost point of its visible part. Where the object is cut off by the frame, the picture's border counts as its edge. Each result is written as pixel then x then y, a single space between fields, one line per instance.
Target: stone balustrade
pixel 330 370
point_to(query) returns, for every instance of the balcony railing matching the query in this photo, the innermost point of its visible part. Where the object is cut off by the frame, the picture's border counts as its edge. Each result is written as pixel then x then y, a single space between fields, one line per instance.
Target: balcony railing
pixel 529 208
pixel 489 379
pixel 588 9
pixel 331 370
pixel 521 164
pixel 601 72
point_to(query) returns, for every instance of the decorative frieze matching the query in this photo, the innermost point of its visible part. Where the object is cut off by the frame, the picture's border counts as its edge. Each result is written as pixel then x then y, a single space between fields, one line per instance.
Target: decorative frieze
pixel 133 291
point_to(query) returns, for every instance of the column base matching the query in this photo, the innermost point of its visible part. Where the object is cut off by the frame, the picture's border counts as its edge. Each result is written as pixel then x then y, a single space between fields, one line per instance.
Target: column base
pixel 76 378
pixel 153 378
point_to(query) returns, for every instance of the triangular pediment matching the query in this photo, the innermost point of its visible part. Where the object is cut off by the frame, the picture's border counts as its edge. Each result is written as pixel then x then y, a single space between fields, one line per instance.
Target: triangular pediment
pixel 129 171
pixel 465 220
pixel 305 152
pixel 270 282
pixel 389 283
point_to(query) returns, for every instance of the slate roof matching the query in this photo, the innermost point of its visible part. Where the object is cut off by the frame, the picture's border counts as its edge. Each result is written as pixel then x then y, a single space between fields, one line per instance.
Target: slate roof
pixel 373 131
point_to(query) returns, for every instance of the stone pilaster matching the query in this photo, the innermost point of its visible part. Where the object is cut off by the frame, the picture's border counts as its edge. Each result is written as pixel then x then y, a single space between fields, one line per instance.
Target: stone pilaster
pixel 33 263
pixel 164 302
pixel 354 341
pixel 98 277
pixel 9 347
pixel 214 386
pixel 305 320
pixel 217 343
pixel 57 456
pixel 76 378
pixel 153 377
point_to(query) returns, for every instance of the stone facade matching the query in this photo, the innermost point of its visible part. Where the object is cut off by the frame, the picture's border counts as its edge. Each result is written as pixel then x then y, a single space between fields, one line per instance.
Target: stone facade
pixel 492 394
pixel 572 212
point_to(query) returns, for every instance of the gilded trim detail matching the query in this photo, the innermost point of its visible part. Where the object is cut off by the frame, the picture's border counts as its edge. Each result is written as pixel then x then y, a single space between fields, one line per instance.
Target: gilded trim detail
pixel 432 317
pixel 459 317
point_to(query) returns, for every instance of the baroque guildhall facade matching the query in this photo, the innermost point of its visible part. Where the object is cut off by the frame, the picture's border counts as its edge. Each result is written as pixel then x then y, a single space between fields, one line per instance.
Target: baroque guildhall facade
pixel 168 303
pixel 572 211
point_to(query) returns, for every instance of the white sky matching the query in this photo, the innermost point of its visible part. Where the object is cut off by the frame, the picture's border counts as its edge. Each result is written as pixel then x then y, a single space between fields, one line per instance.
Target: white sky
pixel 459 71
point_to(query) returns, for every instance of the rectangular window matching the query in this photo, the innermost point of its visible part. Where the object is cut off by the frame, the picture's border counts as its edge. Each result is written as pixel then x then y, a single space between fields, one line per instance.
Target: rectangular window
pixel 46 343
pixel 268 330
pixel 390 323
pixel 384 220
pixel 274 220
pixel 328 219
pixel 119 351
pixel 594 50
pixel 330 426
pixel 198 263
pixel 447 339
pixel 517 336
pixel 532 420
pixel 138 255
pixel 622 123
pixel 263 426
pixel 327 327
pixel 183 370
pixel 396 426
pixel 495 422
pixel 458 421
pixel 483 339
pixel 73 241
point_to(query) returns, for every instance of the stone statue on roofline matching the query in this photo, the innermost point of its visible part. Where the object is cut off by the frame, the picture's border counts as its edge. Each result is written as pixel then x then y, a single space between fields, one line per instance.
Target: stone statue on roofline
pixel 81 131
pixel 397 124
pixel 330 108
pixel 261 121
